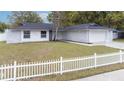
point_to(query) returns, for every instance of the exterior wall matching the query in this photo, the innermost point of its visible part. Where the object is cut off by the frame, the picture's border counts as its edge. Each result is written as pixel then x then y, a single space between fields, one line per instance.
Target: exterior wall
pixel 13 36
pixel 2 36
pixel 35 36
pixel 115 35
pixel 60 35
pixel 87 36
pixel 100 35
pixel 79 36
pixel 110 35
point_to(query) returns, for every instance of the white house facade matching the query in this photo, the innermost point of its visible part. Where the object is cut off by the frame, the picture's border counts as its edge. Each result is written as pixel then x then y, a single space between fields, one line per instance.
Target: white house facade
pixel 30 35
pixel 79 36
pixel 100 35
pixel 86 34
pixel 35 32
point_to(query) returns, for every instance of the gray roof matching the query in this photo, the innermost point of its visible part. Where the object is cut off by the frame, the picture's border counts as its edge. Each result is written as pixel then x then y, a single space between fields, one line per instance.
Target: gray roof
pixel 85 26
pixel 35 26
pixel 50 26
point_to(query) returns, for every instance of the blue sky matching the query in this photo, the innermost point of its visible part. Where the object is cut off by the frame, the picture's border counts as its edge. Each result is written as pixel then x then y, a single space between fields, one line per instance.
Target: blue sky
pixel 4 16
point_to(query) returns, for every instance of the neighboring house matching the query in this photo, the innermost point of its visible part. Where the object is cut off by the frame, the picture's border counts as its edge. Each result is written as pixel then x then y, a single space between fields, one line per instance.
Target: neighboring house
pixel 88 33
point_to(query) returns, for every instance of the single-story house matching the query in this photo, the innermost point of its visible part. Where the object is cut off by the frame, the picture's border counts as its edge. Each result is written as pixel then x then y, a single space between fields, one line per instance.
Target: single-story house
pixel 88 33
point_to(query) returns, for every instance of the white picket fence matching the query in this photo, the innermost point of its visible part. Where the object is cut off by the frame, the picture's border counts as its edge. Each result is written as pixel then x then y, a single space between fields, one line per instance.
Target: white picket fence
pixel 18 71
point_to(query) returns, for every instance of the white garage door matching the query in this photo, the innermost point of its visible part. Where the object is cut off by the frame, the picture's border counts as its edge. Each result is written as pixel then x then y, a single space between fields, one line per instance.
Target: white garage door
pixel 97 36
pixel 79 36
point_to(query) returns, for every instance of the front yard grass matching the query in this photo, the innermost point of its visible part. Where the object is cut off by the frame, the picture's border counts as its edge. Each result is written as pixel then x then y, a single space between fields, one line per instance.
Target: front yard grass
pixel 28 52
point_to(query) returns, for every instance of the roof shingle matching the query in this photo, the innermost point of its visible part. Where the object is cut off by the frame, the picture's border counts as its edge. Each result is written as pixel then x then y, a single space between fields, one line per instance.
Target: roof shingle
pixel 35 26
pixel 85 26
pixel 50 26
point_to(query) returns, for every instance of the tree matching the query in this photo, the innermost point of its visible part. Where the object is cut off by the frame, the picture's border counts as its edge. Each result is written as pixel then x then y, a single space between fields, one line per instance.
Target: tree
pixel 113 19
pixel 70 18
pixel 19 17
pixel 56 18
pixel 79 17
pixel 3 26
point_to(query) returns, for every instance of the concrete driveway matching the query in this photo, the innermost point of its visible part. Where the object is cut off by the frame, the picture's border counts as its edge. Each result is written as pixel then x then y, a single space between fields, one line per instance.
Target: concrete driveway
pixel 110 76
pixel 117 45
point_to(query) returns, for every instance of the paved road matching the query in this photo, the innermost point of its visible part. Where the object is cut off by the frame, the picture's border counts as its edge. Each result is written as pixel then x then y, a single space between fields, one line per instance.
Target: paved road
pixel 110 76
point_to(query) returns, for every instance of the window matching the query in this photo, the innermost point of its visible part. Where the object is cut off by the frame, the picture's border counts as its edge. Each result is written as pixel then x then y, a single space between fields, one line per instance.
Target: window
pixel 26 34
pixel 43 34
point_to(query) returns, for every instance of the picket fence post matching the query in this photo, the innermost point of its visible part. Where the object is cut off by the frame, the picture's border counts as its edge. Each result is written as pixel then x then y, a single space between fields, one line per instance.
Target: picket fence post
pixel 15 70
pixel 121 60
pixel 61 65
pixel 95 60
pixel 1 72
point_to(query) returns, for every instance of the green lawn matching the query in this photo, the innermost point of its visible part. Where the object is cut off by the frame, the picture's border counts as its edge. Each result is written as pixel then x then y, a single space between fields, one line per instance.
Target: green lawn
pixel 28 52
pixel 119 40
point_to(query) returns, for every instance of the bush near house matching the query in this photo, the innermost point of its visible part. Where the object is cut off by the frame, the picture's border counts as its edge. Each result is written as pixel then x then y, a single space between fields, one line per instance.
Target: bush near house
pixel 3 26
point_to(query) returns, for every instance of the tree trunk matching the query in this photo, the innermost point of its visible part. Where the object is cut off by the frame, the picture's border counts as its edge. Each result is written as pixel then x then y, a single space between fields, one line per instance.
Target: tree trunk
pixel 56 32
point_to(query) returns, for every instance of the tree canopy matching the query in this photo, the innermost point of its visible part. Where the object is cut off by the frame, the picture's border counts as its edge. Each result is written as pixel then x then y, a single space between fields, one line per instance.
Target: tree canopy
pixel 3 26
pixel 113 19
pixel 18 17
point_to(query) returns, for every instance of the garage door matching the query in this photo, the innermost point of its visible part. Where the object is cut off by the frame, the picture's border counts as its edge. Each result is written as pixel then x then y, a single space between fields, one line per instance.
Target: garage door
pixel 97 36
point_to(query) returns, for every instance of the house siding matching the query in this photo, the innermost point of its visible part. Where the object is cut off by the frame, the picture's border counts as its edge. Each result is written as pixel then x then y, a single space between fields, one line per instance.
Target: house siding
pixel 115 35
pixel 13 36
pixel 87 35
pixel 60 35
pixel 16 36
pixel 100 35
pixel 82 35
pixel 35 35
pixel 79 35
